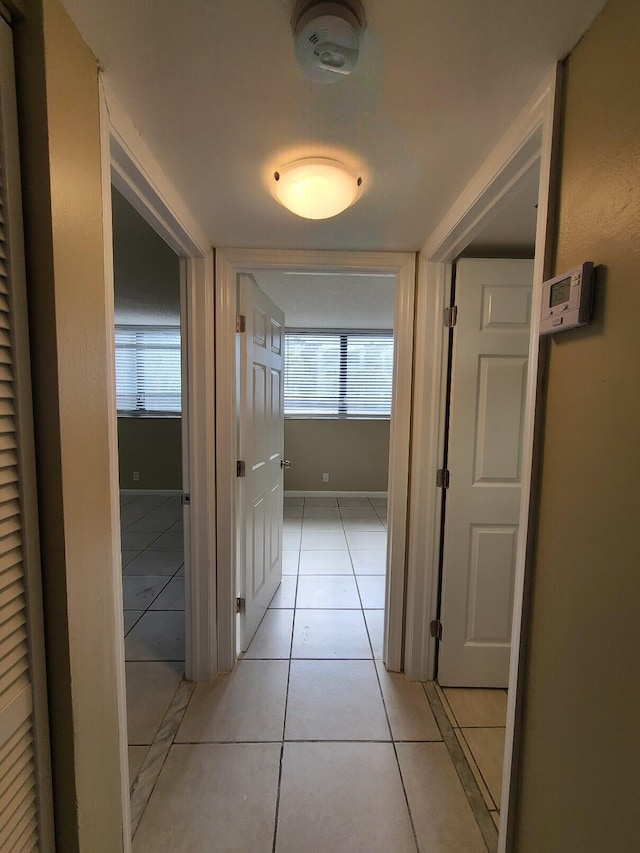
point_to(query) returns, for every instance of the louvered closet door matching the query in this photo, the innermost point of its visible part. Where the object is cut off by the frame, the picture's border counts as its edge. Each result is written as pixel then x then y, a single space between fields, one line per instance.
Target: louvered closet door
pixel 25 822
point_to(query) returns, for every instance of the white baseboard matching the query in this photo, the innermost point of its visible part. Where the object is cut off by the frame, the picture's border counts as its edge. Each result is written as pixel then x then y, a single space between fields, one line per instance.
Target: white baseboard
pixel 327 494
pixel 166 492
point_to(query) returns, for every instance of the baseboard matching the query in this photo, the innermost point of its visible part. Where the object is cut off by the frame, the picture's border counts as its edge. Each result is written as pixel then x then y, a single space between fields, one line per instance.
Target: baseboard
pixel 327 494
pixel 165 492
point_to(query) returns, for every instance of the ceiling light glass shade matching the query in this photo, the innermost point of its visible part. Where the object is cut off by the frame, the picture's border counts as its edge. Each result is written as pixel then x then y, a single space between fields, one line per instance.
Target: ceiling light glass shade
pixel 316 187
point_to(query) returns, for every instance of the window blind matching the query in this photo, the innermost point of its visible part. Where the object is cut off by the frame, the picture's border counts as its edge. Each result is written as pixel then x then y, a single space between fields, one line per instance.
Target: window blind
pixel 338 373
pixel 148 372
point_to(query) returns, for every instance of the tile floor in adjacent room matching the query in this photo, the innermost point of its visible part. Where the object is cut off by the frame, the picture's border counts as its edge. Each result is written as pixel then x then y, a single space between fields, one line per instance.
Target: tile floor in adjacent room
pixel 309 745
pixel 153 600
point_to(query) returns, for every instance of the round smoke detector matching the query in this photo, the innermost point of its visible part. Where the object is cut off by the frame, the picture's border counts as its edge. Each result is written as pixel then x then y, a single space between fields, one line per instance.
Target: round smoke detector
pixel 327 37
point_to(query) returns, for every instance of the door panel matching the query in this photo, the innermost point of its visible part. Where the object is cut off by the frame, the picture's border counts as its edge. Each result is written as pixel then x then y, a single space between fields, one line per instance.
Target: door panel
pixel 260 446
pixel 488 389
pixel 501 397
pixel 490 578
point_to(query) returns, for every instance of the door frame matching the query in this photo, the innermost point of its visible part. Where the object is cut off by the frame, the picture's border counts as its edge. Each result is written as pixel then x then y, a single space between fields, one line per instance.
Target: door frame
pixel 532 138
pixel 128 164
pixel 230 262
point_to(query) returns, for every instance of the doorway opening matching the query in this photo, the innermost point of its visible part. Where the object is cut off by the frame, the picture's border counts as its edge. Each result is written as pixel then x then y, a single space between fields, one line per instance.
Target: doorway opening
pixel 231 266
pixel 528 145
pixel 331 431
pixel 149 378
pixel 487 357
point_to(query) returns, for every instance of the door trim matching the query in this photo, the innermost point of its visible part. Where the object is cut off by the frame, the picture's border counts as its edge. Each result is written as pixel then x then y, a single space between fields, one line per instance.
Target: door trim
pixel 531 138
pixel 129 165
pixel 230 262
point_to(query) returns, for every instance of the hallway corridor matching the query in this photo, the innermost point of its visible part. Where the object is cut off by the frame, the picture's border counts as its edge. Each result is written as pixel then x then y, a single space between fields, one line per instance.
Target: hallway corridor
pixel 309 745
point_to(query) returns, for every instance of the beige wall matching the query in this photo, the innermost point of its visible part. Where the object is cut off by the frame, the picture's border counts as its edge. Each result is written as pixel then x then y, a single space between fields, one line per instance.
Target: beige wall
pixel 60 141
pixel 578 789
pixel 152 447
pixel 354 453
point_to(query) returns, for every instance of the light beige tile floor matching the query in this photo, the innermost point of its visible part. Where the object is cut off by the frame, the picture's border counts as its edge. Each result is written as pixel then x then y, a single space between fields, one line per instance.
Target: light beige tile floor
pixel 487 748
pixel 213 797
pixel 473 706
pixel 335 700
pixel 246 705
pixel 478 717
pixel 345 797
pixel 441 813
pixel 310 745
pixel 410 717
pixel 273 637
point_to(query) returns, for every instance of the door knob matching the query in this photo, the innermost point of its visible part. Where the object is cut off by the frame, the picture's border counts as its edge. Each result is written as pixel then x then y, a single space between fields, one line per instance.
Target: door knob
pixel 284 463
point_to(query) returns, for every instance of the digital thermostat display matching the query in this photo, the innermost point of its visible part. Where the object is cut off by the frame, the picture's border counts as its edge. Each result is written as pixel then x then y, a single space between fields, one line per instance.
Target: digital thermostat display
pixel 567 300
pixel 560 292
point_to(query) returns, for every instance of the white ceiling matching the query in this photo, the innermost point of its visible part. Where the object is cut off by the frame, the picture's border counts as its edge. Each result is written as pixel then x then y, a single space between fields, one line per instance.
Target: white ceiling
pixel 214 90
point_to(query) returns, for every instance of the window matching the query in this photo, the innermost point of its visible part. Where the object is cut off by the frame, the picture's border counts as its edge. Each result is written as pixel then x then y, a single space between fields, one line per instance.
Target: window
pixel 338 373
pixel 148 376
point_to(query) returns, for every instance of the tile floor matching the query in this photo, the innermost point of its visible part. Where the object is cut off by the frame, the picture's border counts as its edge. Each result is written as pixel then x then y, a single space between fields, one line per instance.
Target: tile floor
pixel 478 718
pixel 153 599
pixel 309 745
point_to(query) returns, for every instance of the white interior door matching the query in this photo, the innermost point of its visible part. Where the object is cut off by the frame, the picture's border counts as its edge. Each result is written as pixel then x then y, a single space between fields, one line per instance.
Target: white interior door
pixel 488 385
pixel 261 447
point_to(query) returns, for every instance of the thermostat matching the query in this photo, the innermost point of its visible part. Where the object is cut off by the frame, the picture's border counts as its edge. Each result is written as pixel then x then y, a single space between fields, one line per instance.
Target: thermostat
pixel 567 300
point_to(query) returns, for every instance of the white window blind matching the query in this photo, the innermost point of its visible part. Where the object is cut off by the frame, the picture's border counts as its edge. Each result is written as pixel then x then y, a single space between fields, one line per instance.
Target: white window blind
pixel 148 373
pixel 338 373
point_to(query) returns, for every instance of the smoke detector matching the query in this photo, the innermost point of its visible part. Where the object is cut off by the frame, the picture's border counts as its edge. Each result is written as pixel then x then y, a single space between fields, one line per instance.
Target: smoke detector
pixel 327 37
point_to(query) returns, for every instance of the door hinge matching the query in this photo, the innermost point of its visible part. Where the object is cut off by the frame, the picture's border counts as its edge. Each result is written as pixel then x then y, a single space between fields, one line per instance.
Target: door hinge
pixel 240 468
pixel 241 323
pixel 241 605
pixel 436 629
pixel 185 499
pixel 450 316
pixel 442 478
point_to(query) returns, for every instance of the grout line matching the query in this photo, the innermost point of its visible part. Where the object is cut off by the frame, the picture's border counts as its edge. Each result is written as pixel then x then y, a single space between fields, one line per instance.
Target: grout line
pixel 286 706
pixel 395 750
pixel 297 740
pixel 476 801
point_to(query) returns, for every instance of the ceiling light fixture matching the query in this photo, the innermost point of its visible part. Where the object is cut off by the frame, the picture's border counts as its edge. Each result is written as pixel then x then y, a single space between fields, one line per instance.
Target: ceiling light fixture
pixel 316 187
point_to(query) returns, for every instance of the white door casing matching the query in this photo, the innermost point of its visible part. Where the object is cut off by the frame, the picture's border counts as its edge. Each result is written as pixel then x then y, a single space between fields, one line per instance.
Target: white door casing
pixel 260 447
pixel 488 393
pixel 230 262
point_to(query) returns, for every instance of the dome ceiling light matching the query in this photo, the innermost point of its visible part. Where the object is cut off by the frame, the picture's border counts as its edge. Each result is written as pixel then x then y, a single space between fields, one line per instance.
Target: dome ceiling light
pixel 316 187
pixel 327 37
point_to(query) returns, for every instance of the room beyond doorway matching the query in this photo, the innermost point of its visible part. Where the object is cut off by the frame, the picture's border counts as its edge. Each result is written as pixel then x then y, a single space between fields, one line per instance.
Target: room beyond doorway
pixel 229 265
pixel 321 408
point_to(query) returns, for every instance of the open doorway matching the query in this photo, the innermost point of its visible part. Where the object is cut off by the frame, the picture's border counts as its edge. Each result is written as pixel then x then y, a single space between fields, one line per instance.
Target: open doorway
pixel 148 362
pixel 230 264
pixel 337 393
pixel 487 354
pixel 527 146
